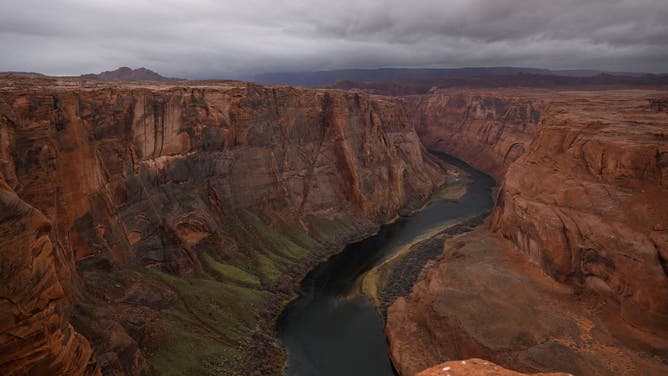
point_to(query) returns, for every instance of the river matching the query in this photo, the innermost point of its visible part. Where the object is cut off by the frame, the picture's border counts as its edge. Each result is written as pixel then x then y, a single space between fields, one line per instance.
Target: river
pixel 329 329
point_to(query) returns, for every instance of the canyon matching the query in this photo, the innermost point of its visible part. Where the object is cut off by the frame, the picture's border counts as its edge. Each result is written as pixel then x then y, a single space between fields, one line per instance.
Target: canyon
pixel 165 226
pixel 161 227
pixel 569 273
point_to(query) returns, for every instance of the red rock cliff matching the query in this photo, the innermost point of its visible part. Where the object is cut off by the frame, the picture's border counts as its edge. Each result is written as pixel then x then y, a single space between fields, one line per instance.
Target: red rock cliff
pixel 485 129
pixel 583 199
pixel 35 338
pixel 587 202
pixel 582 195
pixel 186 210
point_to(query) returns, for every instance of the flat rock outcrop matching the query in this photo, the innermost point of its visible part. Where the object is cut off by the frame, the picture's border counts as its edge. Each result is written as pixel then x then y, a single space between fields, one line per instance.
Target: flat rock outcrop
pixel 476 367
pixel 186 214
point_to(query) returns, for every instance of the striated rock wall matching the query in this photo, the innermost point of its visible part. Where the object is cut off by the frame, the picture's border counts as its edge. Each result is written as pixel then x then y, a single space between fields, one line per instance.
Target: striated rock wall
pixel 35 337
pixel 193 210
pixel 585 203
pixel 582 196
pixel 487 130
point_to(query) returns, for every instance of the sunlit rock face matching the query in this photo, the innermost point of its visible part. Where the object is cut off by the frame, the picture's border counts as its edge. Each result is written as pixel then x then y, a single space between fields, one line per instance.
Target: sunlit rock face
pixel 145 194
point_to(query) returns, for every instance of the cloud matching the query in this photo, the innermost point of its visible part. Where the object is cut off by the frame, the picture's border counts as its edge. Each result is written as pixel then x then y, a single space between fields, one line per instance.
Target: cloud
pixel 207 38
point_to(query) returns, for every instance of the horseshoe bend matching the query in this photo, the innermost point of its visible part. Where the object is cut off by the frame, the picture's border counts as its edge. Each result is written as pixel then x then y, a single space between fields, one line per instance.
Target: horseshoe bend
pixel 222 227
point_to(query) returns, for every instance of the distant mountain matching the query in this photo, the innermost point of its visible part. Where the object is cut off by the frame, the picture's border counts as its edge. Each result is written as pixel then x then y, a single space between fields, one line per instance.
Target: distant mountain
pixel 27 74
pixel 412 87
pixel 322 78
pixel 129 74
pixel 593 72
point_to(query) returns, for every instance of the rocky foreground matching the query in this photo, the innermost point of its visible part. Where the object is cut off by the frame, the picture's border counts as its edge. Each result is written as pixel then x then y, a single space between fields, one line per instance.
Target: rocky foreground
pixel 476 367
pixel 160 228
pixel 570 274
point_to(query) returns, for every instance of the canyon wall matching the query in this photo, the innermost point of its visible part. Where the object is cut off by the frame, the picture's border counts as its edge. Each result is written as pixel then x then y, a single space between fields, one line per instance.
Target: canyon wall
pixel 586 174
pixel 173 221
pixel 486 130
pixel 35 337
pixel 582 197
pixel 587 202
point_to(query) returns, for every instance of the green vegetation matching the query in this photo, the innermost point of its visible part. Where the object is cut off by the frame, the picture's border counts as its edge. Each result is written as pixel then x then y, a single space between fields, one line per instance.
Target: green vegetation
pixel 211 327
pixel 211 330
pixel 230 272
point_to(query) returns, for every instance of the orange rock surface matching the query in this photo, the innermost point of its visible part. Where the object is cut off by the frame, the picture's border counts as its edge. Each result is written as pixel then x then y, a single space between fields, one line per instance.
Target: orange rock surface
pixel 475 367
pixel 35 337
pixel 584 193
pixel 485 299
pixel 583 199
pixel 152 188
pixel 587 201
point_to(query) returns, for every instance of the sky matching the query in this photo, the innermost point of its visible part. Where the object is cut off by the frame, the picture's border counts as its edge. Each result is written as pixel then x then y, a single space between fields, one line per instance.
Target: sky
pixel 236 39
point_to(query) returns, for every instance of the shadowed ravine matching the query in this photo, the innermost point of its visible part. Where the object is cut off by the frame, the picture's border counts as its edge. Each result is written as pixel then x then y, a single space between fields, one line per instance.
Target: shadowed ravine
pixel 330 330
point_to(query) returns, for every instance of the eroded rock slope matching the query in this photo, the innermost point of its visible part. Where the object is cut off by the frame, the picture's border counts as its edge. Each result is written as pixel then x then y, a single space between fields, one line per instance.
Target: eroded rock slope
pixel 582 198
pixel 182 216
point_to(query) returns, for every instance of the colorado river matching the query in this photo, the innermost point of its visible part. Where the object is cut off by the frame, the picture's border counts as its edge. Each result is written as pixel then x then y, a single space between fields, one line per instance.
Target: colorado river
pixel 328 329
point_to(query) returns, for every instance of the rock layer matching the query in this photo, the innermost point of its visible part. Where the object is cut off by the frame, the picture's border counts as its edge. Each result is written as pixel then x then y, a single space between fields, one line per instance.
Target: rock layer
pixel 191 211
pixel 582 197
pixel 587 203
pixel 487 130
pixel 35 337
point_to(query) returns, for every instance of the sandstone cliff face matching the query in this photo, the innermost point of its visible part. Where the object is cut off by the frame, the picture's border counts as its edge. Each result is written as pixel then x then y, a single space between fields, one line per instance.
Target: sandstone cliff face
pixel 35 338
pixel 190 211
pixel 584 200
pixel 484 299
pixel 586 174
pixel 587 203
pixel 487 130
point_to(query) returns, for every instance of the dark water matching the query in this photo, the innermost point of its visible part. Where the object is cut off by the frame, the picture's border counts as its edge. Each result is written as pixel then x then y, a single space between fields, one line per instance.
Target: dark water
pixel 327 333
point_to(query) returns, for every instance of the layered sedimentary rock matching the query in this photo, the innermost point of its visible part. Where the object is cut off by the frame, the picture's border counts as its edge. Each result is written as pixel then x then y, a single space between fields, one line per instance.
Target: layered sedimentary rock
pixel 487 130
pixel 190 211
pixel 583 199
pixel 35 337
pixel 587 202
pixel 586 174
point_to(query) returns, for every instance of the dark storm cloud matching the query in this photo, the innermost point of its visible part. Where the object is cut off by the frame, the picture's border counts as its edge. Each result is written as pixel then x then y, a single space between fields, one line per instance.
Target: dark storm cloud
pixel 207 38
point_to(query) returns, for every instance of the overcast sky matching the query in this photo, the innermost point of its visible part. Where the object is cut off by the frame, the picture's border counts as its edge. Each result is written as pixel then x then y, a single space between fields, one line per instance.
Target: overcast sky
pixel 229 38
